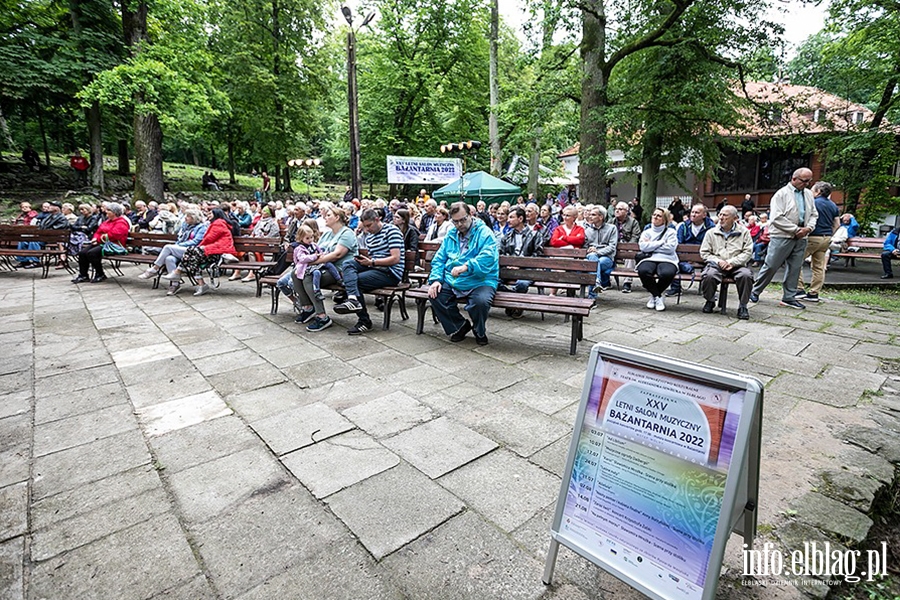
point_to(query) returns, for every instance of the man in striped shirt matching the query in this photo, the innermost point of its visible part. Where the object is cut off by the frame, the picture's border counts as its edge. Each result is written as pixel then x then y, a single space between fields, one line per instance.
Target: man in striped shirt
pixel 382 267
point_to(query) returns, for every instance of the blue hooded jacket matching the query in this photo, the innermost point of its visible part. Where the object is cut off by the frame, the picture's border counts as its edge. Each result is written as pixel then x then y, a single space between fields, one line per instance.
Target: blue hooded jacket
pixel 482 257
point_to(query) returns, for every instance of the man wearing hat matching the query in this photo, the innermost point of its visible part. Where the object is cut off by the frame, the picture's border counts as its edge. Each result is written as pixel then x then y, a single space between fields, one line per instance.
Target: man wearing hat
pixel 54 219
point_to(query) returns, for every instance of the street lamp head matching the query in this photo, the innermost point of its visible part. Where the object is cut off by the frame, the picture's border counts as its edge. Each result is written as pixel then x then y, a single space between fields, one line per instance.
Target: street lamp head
pixel 317 161
pixel 347 15
pixel 291 162
pixel 309 162
pixel 368 19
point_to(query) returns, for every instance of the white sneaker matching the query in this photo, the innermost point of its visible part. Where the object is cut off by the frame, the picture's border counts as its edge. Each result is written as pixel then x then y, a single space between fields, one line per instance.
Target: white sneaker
pixel 200 290
pixel 173 289
pixel 660 304
pixel 651 303
pixel 149 273
pixel 173 276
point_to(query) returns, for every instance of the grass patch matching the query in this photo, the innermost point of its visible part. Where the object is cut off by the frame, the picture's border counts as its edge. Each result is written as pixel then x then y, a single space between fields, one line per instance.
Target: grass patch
pixel 884 299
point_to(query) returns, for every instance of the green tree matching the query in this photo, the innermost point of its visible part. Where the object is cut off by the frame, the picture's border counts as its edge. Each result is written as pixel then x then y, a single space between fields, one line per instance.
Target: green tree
pixel 859 58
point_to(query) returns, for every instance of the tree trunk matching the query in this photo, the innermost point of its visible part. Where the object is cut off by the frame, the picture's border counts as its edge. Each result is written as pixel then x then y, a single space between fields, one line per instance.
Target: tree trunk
pixel 149 183
pixel 95 137
pixel 148 159
pixel 651 155
pixel 194 158
pixel 496 158
pixel 287 179
pixel 4 127
pixel 124 165
pixel 534 165
pixel 43 130
pixel 592 159
pixel 231 178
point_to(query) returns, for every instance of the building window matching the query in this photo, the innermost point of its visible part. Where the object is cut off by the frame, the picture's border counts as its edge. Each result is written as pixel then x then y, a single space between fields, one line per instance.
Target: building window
pixel 857 117
pixel 819 115
pixel 755 171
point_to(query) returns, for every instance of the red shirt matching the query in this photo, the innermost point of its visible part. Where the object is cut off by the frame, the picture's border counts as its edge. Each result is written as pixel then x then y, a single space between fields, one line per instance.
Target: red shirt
pixel 116 229
pixel 79 163
pixel 218 239
pixel 560 238
pixel 26 218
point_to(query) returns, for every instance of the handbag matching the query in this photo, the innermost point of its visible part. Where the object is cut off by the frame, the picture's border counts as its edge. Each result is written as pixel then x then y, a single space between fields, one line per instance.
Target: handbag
pixel 645 255
pixel 112 249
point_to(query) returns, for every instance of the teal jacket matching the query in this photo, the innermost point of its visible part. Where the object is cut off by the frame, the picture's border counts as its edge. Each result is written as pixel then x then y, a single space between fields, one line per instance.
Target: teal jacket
pixel 482 258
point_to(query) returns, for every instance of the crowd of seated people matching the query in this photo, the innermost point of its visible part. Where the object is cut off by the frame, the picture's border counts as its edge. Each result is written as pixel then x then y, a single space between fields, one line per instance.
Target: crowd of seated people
pixel 320 239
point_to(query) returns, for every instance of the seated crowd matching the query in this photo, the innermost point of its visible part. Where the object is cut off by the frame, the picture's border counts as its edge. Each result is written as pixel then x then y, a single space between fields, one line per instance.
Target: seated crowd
pixel 322 243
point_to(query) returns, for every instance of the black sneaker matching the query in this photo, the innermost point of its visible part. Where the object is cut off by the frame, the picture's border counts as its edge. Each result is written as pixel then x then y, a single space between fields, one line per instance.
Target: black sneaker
pixel 81 279
pixel 339 297
pixel 670 292
pixel 800 295
pixel 743 313
pixel 98 279
pixel 319 324
pixel 345 308
pixel 305 316
pixel 461 334
pixel 709 306
pixel 810 297
pixel 360 328
pixel 626 288
pixel 791 304
pixel 481 340
pixel 887 276
pixel 754 298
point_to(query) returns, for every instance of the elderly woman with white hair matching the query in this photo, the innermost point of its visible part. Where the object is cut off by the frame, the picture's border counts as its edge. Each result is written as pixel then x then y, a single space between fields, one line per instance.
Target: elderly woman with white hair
pixel 114 229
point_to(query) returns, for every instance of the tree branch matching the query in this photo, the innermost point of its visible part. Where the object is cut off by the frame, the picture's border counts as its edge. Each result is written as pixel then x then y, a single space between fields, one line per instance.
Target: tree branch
pixel 650 40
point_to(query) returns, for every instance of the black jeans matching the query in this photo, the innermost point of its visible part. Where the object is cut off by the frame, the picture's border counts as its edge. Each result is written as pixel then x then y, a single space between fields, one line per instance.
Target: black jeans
pixel 91 256
pixel 649 271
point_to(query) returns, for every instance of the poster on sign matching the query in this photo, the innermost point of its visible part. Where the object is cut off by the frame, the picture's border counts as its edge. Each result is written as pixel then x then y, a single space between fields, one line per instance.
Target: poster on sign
pixel 655 469
pixel 412 169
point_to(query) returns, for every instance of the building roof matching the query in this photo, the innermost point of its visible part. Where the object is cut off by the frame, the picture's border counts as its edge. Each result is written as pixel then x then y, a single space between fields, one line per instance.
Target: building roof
pixel 781 109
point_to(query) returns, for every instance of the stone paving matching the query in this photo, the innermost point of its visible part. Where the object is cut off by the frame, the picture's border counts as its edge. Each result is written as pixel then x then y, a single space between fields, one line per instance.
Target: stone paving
pixel 156 447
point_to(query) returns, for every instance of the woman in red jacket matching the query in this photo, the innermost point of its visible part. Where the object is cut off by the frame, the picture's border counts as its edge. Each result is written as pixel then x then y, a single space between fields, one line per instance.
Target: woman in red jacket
pixel 568 234
pixel 217 241
pixel 115 229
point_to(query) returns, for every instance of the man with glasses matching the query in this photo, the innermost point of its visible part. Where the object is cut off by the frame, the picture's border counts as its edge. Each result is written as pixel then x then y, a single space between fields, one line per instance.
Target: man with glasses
pixel 382 267
pixel 792 210
pixel 465 266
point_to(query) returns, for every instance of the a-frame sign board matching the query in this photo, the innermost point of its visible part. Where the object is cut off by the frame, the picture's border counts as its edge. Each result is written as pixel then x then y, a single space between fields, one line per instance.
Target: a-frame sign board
pixel 663 466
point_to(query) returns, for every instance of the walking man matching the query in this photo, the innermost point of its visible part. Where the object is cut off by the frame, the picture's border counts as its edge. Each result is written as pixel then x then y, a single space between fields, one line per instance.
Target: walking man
pixel 820 240
pixel 792 210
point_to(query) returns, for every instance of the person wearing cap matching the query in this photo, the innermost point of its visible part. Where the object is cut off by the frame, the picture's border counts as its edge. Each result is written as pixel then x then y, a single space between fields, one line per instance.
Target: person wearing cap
pixel 53 219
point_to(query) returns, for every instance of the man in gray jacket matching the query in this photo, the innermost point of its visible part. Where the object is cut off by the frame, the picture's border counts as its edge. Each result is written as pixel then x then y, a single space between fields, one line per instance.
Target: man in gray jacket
pixel 792 214
pixel 600 239
pixel 629 231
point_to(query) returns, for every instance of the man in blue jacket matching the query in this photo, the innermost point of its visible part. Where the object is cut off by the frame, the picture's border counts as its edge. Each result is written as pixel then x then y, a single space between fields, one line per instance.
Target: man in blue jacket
pixel 691 231
pixel 466 265
pixel 890 251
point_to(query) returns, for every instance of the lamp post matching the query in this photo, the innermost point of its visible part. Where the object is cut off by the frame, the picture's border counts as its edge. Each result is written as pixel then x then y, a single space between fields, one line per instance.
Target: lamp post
pixel 306 164
pixel 355 168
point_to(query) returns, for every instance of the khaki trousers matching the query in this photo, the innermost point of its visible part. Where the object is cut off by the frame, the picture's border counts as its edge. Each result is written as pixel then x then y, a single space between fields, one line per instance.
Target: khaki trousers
pixel 817 248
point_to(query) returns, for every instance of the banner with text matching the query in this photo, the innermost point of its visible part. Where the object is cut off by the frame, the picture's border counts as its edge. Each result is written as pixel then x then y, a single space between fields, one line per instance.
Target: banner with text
pixel 411 169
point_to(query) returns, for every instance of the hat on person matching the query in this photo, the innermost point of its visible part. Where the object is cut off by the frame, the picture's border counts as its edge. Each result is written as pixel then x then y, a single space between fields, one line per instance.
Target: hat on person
pixel 55 203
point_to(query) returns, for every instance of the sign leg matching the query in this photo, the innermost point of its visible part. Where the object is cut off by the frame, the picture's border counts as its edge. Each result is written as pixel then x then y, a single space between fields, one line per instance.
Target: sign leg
pixel 551 562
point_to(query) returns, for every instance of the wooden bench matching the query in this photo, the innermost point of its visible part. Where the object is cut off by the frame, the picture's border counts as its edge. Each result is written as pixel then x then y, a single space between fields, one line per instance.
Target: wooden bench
pixel 551 271
pixel 248 246
pixel 689 253
pixel 54 243
pixel 136 243
pixel 391 294
pixel 868 248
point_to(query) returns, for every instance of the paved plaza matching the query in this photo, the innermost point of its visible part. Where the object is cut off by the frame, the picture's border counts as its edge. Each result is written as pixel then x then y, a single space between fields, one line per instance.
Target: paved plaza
pixel 193 448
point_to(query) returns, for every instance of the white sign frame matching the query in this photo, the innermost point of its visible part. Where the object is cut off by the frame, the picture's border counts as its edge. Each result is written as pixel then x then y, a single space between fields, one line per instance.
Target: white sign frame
pixel 738 510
